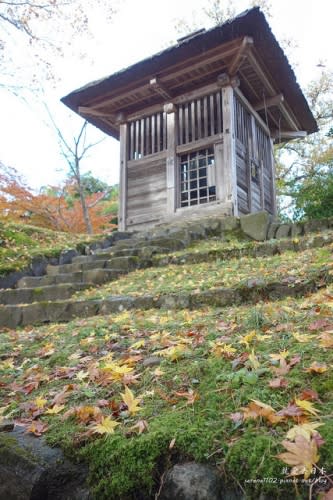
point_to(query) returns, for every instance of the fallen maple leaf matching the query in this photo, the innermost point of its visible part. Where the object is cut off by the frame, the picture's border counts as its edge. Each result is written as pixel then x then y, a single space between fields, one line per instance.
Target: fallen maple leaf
pixel 191 396
pixel 317 367
pixel 140 427
pixel 281 355
pixel 54 410
pixel 309 394
pixel 326 340
pixel 302 455
pixel 106 426
pixel 283 369
pixel 290 411
pixel 306 406
pixel 40 402
pixel 278 383
pixel 308 429
pixel 257 409
pixel 223 350
pixel 130 401
pixel 254 360
pixel 37 428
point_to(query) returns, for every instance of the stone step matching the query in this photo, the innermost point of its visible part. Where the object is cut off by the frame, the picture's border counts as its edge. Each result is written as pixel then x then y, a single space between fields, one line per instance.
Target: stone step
pixel 40 294
pixel 146 251
pixel 123 264
pixel 94 276
pixel 12 316
pixel 76 267
pixel 249 249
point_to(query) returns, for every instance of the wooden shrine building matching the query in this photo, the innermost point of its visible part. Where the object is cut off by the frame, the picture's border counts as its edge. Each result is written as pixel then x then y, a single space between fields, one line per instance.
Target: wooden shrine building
pixel 197 121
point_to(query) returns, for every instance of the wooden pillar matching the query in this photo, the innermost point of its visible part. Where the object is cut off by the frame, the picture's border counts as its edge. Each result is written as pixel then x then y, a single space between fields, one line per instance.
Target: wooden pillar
pixel 274 205
pixel 171 160
pixel 229 173
pixel 122 210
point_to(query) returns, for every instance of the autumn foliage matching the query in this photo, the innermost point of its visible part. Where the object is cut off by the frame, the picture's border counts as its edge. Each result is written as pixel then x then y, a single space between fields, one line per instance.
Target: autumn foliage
pixel 53 208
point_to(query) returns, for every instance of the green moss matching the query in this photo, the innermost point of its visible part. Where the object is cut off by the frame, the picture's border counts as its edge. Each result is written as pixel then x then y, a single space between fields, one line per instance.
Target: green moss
pixel 11 451
pixel 121 468
pixel 250 463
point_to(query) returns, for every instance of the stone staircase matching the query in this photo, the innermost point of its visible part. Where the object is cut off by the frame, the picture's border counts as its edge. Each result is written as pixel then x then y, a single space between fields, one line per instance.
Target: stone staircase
pixel 47 298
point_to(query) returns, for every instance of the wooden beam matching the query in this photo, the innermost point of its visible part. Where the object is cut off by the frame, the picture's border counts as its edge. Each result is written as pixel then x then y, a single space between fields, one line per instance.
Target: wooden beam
pixel 159 88
pixel 84 110
pixel 289 134
pixel 236 62
pixel 180 69
pixel 270 88
pixel 123 177
pixel 276 100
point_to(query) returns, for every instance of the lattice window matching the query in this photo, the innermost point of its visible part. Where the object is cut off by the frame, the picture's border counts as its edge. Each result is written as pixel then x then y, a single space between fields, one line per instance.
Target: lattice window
pixel 200 118
pixel 147 136
pixel 197 177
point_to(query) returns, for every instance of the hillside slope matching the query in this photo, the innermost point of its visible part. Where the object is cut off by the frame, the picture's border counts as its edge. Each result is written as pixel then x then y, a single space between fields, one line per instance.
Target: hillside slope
pixel 219 352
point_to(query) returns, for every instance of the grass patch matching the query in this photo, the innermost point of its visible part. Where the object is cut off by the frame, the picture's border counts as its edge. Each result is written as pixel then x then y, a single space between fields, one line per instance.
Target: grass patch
pixel 188 399
pixel 20 243
pixel 214 274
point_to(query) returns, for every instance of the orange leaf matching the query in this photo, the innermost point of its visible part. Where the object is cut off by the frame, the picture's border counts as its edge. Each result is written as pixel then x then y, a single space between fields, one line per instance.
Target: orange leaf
pixel 317 367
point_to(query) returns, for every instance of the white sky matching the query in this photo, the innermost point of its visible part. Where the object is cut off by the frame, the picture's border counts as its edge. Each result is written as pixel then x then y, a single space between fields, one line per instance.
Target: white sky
pixel 141 28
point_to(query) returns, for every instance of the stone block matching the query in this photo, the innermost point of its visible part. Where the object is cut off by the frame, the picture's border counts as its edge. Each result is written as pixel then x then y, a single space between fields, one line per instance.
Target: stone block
pixel 256 225
pixel 30 469
pixel 272 230
pixel 283 231
pixel 191 481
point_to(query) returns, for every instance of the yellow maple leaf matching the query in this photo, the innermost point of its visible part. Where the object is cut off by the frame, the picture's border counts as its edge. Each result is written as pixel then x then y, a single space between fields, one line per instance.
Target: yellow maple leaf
pixel 117 372
pixel 40 402
pixel 303 338
pixel 131 402
pixel 81 375
pixel 281 355
pixel 246 339
pixel 7 364
pixel 307 430
pixel 138 344
pixel 254 360
pixel 326 340
pixel 106 426
pixel 220 349
pixel 173 353
pixel 306 406
pixel 302 455
pixel 55 409
pixel 158 373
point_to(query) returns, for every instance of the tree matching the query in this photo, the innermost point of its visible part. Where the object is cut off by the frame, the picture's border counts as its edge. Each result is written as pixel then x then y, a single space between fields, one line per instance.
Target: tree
pixel 303 164
pixel 52 29
pixel 54 207
pixel 74 152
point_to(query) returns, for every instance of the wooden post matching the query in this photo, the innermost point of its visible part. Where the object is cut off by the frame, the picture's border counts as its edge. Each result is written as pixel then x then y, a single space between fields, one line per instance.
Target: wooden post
pixel 229 174
pixel 123 178
pixel 171 160
pixel 273 186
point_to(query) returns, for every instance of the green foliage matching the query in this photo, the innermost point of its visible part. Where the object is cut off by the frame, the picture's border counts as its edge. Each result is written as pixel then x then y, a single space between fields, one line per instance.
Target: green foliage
pixel 314 197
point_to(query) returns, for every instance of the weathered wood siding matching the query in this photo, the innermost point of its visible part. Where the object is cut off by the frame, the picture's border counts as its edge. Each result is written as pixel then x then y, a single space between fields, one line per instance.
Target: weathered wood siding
pixel 254 163
pixel 146 190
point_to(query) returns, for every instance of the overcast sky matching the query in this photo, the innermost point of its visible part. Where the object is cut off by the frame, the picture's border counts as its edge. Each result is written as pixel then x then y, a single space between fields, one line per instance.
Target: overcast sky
pixel 141 28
